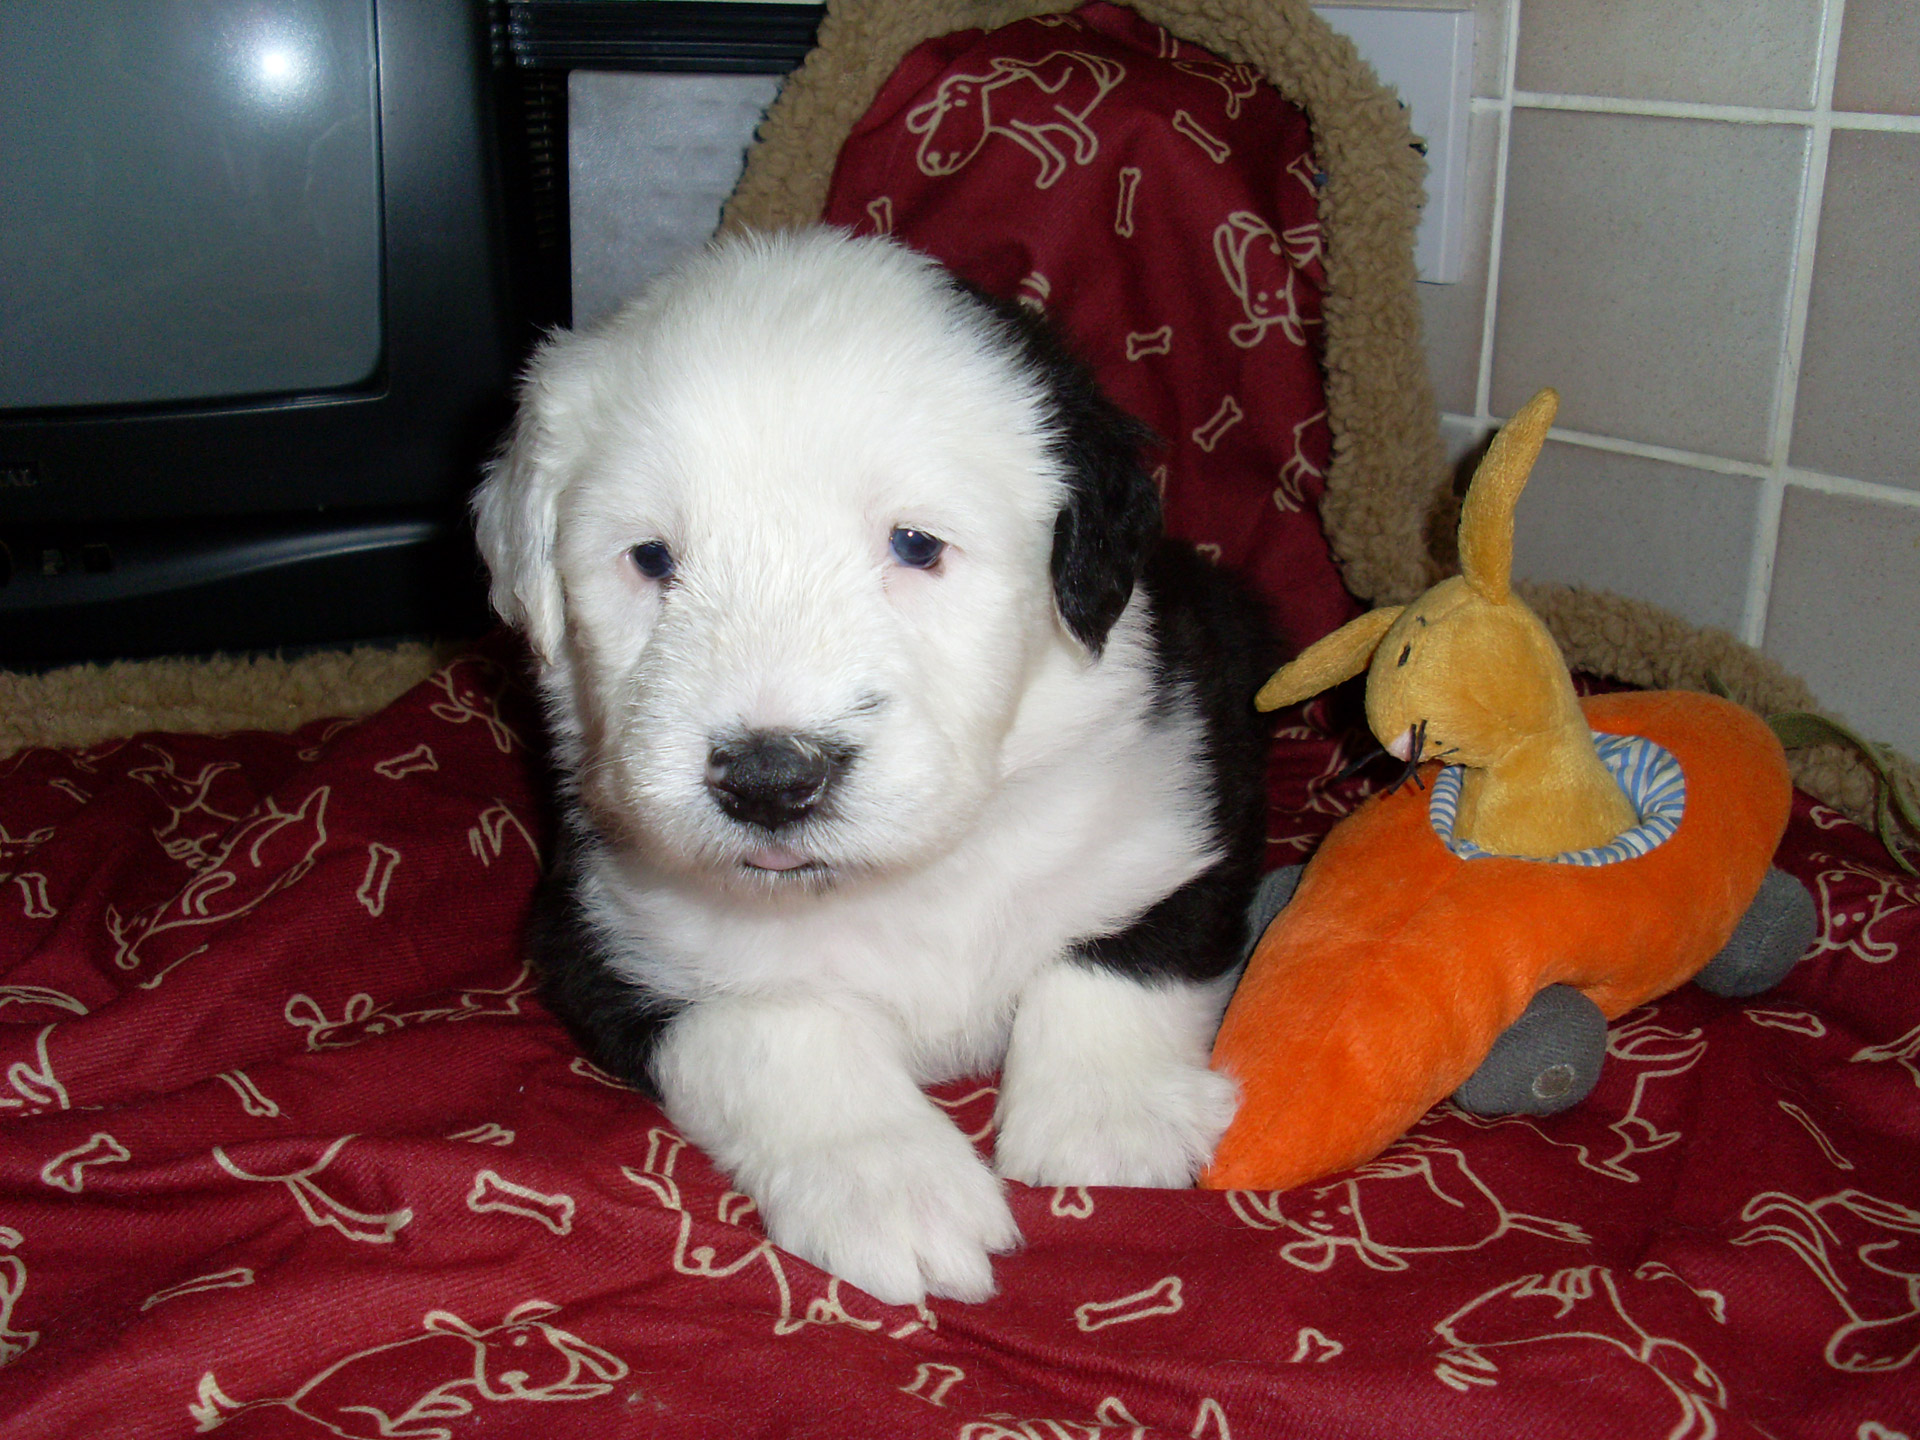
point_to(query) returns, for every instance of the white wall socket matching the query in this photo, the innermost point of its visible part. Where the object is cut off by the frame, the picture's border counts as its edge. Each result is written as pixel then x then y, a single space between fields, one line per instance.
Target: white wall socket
pixel 1426 55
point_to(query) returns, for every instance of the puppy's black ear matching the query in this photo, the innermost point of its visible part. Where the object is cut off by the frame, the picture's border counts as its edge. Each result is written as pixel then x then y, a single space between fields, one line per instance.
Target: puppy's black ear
pixel 1111 518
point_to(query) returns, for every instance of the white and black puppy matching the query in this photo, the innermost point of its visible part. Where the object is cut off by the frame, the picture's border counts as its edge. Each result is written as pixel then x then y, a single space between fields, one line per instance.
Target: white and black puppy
pixel 894 745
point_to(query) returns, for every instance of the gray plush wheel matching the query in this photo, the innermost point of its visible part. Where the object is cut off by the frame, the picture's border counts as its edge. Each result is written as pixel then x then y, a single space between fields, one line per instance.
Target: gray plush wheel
pixel 1276 889
pixel 1544 1062
pixel 1769 940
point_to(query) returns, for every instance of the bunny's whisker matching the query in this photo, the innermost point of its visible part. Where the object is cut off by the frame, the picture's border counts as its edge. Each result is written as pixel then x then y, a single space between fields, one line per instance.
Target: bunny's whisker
pixel 1416 742
pixel 1355 767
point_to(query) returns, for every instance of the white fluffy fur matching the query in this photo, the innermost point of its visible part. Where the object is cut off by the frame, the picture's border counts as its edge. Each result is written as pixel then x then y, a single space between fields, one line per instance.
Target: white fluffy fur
pixel 771 412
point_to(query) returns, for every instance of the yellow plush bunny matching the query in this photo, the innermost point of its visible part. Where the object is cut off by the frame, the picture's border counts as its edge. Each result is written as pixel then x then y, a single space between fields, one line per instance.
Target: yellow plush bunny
pixel 1468 675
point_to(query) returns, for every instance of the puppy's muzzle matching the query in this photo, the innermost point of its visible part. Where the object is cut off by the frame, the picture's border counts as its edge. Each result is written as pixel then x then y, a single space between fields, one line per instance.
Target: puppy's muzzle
pixel 773 778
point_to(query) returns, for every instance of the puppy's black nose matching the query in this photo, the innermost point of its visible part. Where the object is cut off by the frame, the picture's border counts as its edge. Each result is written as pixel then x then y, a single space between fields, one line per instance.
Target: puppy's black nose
pixel 772 778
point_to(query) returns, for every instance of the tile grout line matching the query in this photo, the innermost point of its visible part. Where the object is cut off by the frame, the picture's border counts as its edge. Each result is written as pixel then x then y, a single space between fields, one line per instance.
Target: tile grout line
pixel 1880 492
pixel 1898 496
pixel 1786 395
pixel 1728 114
pixel 1490 307
pixel 1665 454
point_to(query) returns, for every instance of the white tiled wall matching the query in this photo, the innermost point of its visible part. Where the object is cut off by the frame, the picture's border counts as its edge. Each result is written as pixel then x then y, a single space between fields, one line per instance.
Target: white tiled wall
pixel 1700 221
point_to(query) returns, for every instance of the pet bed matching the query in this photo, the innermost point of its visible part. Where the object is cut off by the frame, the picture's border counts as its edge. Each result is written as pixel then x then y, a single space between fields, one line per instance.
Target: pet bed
pixel 289 1148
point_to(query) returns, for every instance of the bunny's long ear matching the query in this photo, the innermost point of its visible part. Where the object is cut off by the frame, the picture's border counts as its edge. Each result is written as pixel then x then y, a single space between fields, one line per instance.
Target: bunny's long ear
pixel 1486 516
pixel 1329 660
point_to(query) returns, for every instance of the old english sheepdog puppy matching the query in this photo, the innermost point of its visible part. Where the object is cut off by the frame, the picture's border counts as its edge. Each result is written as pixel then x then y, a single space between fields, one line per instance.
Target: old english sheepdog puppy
pixel 894 745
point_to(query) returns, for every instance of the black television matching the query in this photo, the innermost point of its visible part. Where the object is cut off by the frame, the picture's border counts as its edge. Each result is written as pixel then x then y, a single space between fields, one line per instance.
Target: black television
pixel 256 332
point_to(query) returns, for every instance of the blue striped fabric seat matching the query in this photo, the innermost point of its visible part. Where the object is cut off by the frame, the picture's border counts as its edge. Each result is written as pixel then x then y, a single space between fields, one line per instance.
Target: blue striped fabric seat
pixel 1649 774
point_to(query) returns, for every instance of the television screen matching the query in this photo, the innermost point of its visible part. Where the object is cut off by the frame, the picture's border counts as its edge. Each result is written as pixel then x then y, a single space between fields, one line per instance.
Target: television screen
pixel 255 327
pixel 192 200
pixel 267 267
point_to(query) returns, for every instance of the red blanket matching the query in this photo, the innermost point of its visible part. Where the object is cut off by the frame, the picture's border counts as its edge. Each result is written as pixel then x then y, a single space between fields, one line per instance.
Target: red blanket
pixel 289 1149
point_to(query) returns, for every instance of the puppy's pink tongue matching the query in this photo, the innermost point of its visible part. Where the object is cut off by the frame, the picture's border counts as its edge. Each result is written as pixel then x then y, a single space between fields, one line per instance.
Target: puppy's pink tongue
pixel 774 857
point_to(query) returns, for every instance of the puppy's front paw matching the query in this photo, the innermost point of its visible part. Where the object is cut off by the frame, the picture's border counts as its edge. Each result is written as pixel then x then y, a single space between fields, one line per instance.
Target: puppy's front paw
pixel 1106 1080
pixel 810 1110
pixel 1155 1126
pixel 901 1216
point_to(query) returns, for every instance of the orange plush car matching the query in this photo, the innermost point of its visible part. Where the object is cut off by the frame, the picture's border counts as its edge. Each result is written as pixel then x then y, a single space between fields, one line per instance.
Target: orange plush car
pixel 1568 862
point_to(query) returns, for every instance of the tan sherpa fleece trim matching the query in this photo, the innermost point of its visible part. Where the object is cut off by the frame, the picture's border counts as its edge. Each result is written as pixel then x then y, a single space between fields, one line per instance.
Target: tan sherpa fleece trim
pixel 85 704
pixel 1387 461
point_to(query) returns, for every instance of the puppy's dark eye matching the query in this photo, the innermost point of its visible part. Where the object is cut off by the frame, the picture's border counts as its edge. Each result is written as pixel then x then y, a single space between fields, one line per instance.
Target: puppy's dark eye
pixel 652 559
pixel 916 549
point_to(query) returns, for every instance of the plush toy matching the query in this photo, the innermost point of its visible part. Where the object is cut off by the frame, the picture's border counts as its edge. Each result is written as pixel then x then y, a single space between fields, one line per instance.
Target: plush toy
pixel 1472 936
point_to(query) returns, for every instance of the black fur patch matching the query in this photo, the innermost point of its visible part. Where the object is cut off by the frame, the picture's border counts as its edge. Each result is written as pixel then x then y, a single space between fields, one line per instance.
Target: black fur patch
pixel 615 1021
pixel 1212 652
pixel 1111 518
